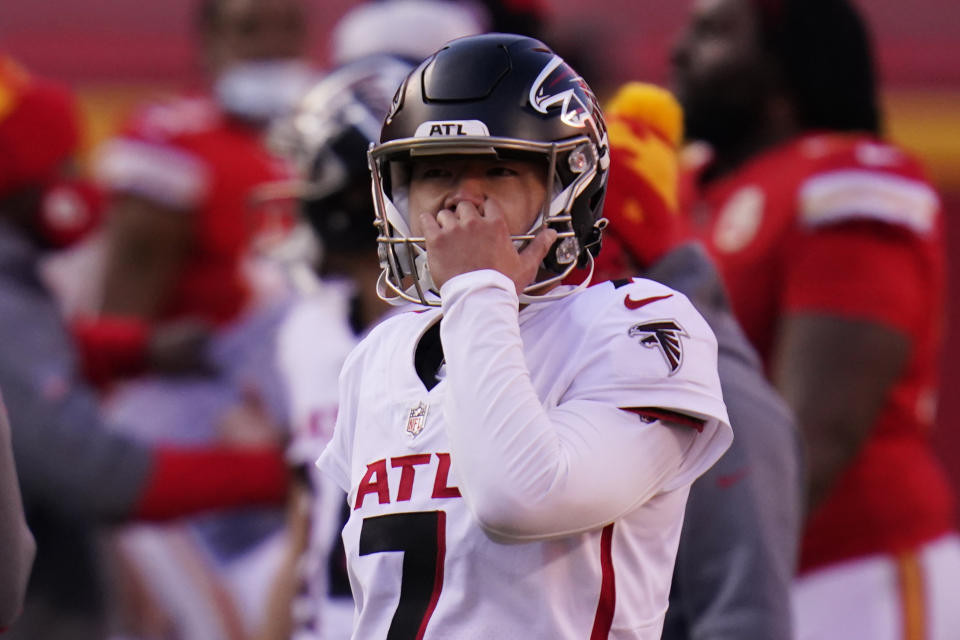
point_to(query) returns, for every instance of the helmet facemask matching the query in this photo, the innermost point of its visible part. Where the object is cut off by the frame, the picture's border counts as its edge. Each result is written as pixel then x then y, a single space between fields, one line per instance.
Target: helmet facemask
pixel 570 165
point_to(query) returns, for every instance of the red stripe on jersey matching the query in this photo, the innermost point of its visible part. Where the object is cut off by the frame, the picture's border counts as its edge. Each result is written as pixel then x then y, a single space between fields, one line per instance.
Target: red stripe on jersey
pixel 438 576
pixel 665 415
pixel 603 619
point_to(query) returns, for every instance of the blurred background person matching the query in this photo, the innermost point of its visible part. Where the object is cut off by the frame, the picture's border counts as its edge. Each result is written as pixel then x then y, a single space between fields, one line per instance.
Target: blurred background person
pixel 179 177
pixel 17 547
pixel 328 138
pixel 400 28
pixel 207 579
pixel 183 241
pixel 741 529
pixel 75 474
pixel 830 242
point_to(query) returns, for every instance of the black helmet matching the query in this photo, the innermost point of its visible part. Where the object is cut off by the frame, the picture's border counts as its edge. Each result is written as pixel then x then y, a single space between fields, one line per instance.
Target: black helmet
pixel 504 95
pixel 327 138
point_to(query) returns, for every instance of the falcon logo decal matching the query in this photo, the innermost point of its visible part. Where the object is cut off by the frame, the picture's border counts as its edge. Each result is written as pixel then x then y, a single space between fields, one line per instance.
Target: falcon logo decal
pixel 663 335
pixel 558 85
pixel 397 102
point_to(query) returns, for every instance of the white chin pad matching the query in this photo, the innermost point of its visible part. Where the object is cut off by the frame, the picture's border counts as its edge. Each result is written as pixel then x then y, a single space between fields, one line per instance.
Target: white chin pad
pixel 423 272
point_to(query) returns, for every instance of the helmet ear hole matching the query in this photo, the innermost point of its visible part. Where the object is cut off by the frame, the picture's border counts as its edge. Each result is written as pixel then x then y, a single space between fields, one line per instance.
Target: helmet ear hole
pixel 596 206
pixel 593 244
pixel 596 201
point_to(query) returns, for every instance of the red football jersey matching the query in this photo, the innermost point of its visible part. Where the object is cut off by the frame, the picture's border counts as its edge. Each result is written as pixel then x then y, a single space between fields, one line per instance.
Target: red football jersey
pixel 185 154
pixel 845 225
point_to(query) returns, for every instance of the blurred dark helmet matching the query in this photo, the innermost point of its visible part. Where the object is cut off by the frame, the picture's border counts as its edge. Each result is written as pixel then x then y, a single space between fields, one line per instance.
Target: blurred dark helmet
pixel 328 137
pixel 504 96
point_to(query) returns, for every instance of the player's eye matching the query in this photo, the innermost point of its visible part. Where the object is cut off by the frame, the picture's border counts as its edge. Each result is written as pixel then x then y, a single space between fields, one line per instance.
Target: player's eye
pixel 434 173
pixel 502 171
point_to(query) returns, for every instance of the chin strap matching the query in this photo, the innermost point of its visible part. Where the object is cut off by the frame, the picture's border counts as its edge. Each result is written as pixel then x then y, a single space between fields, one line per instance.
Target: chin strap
pixel 390 294
pixel 387 293
pixel 529 298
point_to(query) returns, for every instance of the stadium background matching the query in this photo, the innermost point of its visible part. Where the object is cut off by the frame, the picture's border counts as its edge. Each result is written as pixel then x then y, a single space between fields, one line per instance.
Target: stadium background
pixel 116 53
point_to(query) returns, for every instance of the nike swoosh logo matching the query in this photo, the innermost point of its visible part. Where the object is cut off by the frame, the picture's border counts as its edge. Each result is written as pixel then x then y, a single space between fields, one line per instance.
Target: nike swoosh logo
pixel 630 303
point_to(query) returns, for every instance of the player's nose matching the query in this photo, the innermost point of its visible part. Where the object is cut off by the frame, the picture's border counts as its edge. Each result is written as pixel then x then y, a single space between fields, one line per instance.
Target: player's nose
pixel 468 186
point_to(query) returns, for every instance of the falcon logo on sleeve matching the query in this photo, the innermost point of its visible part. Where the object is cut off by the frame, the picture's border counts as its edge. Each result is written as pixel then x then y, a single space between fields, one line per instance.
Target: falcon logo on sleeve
pixel 663 335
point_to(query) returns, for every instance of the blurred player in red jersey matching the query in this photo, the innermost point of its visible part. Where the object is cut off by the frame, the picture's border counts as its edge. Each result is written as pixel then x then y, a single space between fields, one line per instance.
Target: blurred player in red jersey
pixel 180 176
pixel 75 473
pixel 830 243
pixel 182 228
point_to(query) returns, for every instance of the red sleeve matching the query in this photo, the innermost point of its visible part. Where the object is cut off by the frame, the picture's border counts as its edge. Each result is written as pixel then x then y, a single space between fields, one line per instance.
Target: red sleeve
pixel 866 270
pixel 184 482
pixel 111 347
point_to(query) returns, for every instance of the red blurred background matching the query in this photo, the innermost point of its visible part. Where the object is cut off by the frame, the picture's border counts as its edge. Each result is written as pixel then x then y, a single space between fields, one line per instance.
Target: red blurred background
pixel 118 52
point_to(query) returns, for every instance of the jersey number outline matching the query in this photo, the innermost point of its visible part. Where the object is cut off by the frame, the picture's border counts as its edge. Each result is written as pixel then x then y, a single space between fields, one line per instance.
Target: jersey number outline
pixel 421 536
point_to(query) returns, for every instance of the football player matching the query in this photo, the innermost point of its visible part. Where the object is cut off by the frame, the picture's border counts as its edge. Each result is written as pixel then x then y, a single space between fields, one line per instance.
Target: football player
pixel 831 245
pixel 517 455
pixel 180 221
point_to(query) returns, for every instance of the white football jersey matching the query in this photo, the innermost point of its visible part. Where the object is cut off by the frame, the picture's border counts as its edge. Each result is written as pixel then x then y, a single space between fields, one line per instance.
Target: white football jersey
pixel 312 344
pixel 516 498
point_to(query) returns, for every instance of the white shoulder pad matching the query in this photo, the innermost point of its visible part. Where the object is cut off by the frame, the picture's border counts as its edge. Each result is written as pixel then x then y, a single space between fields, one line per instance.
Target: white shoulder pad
pixel 160 173
pixel 862 194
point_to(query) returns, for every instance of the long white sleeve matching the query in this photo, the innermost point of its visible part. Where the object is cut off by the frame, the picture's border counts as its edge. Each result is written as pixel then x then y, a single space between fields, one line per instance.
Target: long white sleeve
pixel 529 472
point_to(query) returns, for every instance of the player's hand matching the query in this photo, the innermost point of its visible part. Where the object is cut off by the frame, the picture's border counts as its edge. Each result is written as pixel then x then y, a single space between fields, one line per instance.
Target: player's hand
pixel 469 238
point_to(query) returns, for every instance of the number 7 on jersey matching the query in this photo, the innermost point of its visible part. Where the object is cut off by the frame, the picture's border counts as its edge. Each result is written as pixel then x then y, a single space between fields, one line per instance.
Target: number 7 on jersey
pixel 421 536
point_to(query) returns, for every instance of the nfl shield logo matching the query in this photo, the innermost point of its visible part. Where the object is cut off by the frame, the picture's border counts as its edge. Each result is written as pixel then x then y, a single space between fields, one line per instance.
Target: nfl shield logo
pixel 416 419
